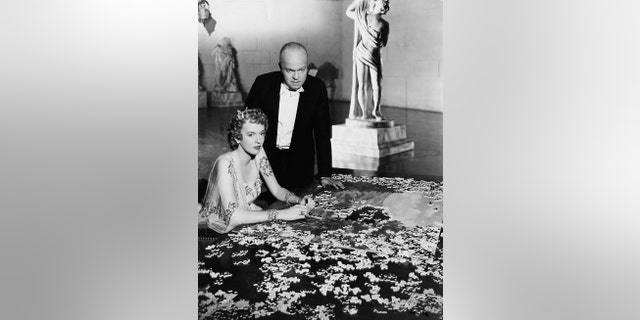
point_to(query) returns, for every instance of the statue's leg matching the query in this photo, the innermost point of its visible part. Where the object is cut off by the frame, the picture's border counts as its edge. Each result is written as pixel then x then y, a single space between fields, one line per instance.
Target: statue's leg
pixel 376 86
pixel 365 95
pixel 354 94
pixel 362 88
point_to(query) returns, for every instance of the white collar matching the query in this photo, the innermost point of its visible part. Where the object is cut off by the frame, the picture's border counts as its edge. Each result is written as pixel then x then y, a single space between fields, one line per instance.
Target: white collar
pixel 284 89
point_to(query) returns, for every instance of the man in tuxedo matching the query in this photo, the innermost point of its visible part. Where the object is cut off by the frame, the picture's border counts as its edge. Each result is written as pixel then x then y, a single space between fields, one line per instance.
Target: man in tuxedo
pixel 297 108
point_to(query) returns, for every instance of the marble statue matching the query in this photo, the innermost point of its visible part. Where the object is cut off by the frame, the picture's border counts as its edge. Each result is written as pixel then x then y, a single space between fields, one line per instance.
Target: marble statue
pixel 366 133
pixel 200 70
pixel 224 65
pixel 370 35
pixel 225 91
pixel 202 93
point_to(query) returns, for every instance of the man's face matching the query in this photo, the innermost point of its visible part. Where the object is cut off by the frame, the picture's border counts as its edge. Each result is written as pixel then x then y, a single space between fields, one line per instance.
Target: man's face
pixel 293 66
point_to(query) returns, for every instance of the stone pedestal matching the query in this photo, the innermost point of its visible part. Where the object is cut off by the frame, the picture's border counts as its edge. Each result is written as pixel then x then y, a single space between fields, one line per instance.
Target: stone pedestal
pixel 376 139
pixel 358 162
pixel 226 99
pixel 202 99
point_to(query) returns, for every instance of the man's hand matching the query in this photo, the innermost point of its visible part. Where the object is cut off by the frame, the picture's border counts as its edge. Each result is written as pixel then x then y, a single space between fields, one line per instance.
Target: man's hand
pixel 308 202
pixel 326 181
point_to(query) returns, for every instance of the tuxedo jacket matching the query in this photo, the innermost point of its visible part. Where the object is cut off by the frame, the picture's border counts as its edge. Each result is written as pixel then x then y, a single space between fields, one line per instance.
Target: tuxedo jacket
pixel 311 131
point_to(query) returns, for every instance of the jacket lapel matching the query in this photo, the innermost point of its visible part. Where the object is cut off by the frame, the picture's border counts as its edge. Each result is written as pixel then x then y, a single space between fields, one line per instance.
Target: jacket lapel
pixel 272 109
pixel 303 101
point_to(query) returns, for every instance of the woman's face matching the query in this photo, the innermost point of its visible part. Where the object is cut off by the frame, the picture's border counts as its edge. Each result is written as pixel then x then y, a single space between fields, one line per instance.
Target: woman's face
pixel 252 137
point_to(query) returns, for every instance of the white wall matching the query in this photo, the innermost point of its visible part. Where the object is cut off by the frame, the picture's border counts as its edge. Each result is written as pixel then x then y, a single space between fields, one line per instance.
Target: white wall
pixel 412 59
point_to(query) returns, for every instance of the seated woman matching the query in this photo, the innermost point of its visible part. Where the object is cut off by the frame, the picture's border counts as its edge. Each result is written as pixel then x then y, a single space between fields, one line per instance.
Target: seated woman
pixel 235 180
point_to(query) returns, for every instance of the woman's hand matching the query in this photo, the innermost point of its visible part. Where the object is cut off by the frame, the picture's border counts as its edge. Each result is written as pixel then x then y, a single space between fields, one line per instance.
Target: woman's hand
pixel 293 213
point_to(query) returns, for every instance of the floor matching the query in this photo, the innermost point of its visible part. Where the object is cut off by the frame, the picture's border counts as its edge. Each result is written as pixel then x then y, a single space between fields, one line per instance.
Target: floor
pixel 423 127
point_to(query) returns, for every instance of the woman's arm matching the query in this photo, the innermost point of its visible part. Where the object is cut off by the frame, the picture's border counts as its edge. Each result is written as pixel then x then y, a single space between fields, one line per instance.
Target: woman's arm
pixel 274 187
pixel 235 213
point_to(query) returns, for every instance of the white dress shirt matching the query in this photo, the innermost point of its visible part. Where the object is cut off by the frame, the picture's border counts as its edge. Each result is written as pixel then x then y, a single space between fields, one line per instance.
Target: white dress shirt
pixel 287 115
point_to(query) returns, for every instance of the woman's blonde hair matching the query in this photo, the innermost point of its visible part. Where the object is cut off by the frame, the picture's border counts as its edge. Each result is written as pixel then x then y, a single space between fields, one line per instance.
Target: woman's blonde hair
pixel 235 125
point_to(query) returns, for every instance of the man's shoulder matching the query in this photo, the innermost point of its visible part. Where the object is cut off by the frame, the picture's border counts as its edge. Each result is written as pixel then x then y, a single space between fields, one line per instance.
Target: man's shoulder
pixel 314 83
pixel 269 76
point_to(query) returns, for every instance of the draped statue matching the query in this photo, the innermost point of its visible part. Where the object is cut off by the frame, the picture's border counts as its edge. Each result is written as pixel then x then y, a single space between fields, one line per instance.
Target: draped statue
pixel 226 91
pixel 224 64
pixel 370 35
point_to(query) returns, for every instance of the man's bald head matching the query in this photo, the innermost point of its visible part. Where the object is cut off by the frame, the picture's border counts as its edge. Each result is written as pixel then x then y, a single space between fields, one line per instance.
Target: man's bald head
pixel 290 48
pixel 293 64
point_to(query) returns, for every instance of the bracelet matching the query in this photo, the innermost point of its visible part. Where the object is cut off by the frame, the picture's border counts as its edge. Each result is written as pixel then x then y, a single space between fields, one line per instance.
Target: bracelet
pixel 273 215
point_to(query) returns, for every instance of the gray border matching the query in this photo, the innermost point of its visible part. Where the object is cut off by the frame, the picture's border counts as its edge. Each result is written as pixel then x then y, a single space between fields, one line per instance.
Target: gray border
pixel 98 126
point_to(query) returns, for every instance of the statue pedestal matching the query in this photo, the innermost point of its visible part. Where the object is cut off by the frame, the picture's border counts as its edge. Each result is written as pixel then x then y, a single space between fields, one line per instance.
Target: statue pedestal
pixel 358 162
pixel 202 99
pixel 370 123
pixel 226 99
pixel 370 138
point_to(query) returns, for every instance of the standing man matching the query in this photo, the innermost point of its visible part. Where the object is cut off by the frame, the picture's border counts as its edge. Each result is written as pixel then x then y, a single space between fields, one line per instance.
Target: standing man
pixel 297 108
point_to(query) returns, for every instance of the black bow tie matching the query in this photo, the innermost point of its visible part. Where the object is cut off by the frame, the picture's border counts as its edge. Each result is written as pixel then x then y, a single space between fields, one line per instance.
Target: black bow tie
pixel 287 87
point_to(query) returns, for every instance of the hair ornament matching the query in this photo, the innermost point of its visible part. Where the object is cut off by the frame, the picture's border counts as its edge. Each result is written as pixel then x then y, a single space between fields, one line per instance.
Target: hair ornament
pixel 241 114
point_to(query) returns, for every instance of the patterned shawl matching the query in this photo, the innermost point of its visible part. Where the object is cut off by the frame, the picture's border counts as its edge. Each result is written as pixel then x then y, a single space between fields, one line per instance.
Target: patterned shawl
pixel 215 213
